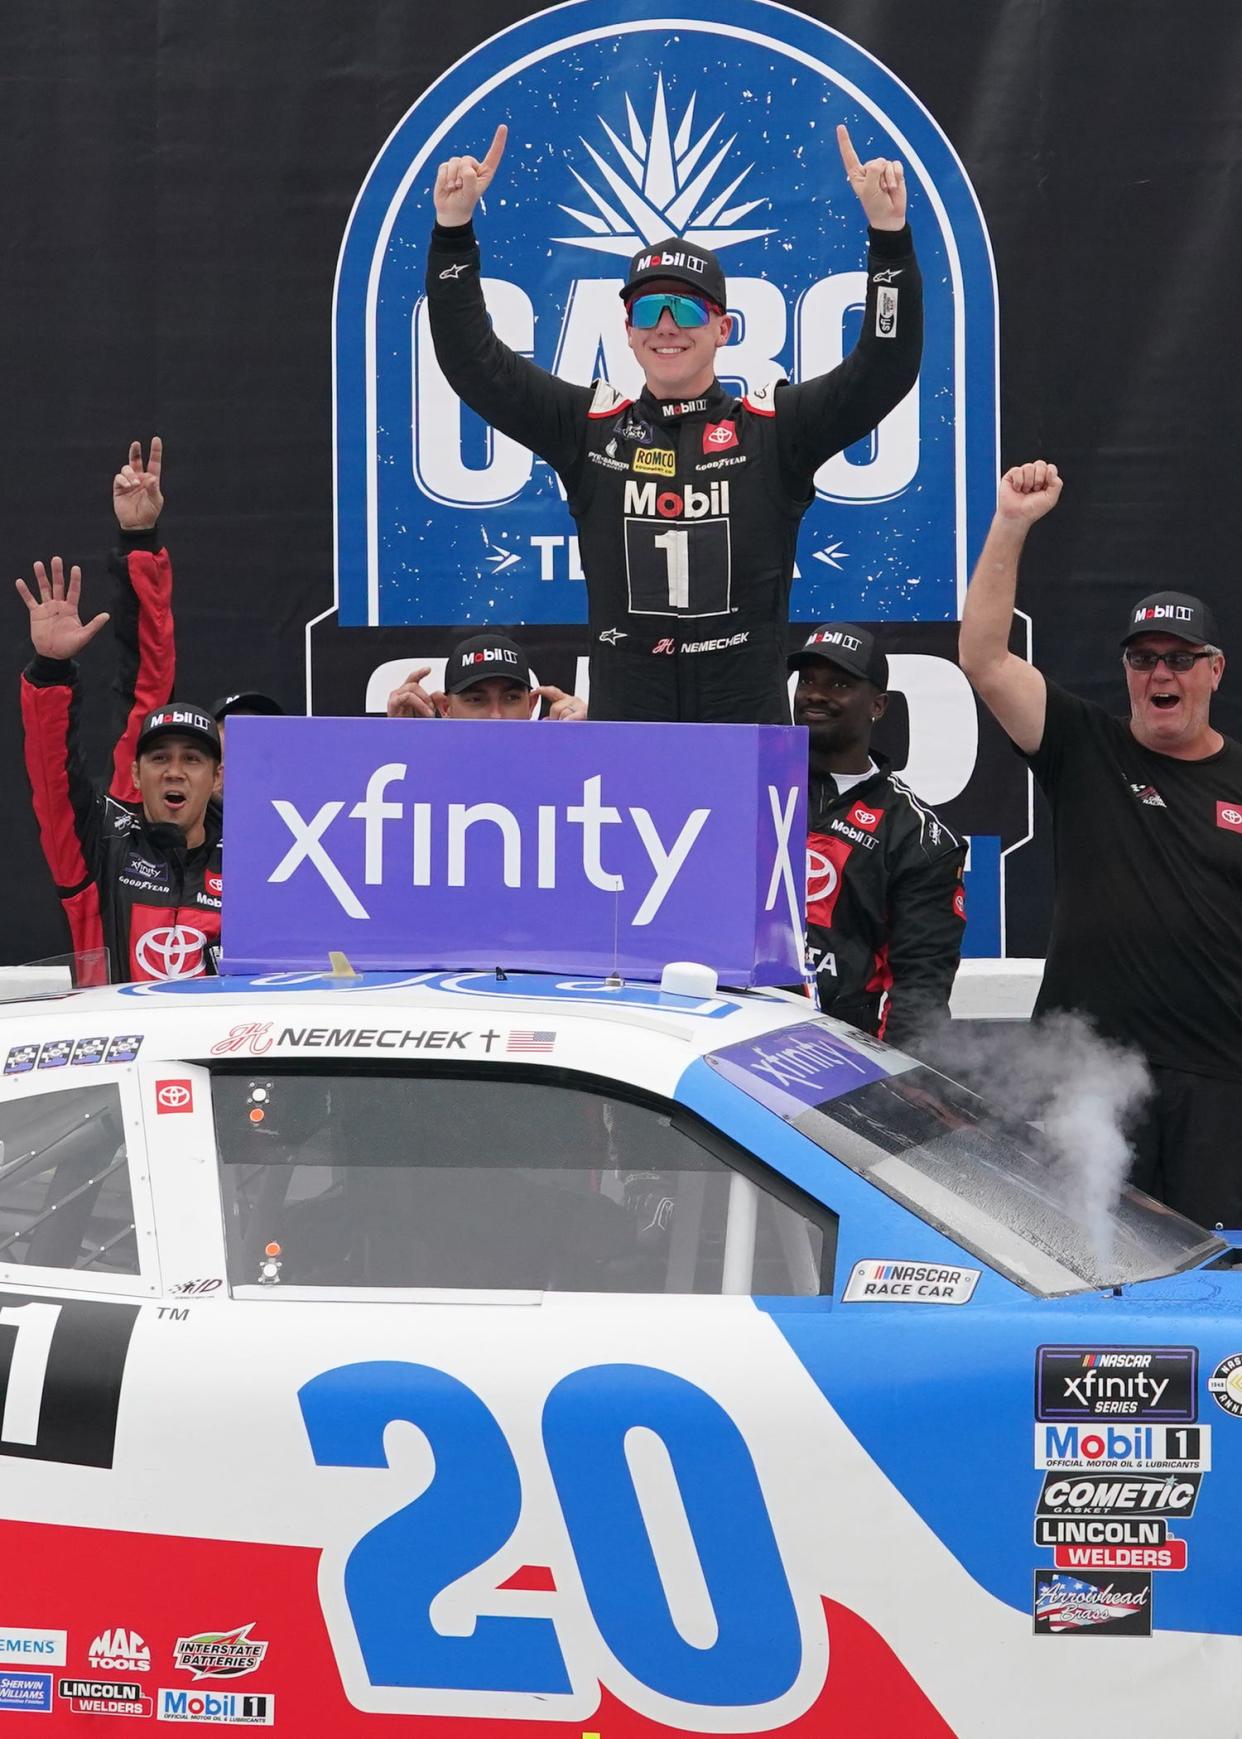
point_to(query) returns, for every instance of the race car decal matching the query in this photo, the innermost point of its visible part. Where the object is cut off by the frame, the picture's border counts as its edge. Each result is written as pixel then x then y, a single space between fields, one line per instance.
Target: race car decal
pixel 61 1365
pixel 173 1583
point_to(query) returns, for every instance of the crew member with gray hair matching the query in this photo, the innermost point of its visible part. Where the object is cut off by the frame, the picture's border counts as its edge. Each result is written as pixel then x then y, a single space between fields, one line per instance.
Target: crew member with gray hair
pixel 1147 834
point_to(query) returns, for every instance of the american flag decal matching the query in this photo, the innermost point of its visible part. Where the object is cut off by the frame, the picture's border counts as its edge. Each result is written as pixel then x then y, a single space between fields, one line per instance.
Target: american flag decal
pixel 530 1043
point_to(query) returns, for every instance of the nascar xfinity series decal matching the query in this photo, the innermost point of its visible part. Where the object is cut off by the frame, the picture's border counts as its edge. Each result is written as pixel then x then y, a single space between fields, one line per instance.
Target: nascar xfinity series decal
pixel 1111 1382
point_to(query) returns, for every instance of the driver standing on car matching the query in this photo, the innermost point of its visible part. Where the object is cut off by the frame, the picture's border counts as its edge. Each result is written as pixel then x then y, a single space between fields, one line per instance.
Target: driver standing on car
pixel 687 499
pixel 144 879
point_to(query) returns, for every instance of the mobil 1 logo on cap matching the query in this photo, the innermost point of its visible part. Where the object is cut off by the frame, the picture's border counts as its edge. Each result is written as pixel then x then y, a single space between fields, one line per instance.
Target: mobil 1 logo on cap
pixel 1116 1382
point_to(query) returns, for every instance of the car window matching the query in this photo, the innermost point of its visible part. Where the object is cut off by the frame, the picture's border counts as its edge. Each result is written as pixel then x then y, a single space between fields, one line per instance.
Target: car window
pixel 64 1183
pixel 419 1180
pixel 990 1182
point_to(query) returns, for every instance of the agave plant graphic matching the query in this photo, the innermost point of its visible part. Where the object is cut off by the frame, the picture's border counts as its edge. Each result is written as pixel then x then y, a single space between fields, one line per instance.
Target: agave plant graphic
pixel 662 187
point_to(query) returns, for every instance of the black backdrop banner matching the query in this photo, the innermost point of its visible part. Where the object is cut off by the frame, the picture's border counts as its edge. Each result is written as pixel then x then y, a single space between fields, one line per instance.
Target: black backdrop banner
pixel 177 196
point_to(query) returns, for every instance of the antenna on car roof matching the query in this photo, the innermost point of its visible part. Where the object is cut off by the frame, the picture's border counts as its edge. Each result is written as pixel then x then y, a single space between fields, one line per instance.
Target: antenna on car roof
pixel 338 964
pixel 614 980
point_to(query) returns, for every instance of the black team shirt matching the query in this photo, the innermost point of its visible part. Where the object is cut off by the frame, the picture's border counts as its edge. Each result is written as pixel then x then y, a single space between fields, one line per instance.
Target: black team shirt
pixel 1147 918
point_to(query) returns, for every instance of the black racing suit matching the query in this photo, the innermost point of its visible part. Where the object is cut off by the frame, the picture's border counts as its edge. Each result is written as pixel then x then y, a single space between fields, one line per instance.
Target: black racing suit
pixel 687 514
pixel 885 907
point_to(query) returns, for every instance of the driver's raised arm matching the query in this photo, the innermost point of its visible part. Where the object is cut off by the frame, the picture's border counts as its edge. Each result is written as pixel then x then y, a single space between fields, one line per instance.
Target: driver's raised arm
pixel 1013 691
pixel 523 401
pixel 823 415
pixel 142 616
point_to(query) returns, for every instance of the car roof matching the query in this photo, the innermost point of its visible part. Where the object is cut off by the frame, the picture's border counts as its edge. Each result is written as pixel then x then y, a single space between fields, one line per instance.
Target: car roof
pixel 389 1016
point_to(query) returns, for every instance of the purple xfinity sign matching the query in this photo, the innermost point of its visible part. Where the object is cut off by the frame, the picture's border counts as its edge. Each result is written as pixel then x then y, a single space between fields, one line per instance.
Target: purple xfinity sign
pixel 588 848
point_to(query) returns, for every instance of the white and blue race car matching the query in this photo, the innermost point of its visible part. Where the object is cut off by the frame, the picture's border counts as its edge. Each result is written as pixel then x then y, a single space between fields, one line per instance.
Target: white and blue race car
pixel 461 1356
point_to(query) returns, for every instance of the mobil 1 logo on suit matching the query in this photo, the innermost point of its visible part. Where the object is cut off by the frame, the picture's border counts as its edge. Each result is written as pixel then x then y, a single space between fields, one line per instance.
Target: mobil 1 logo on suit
pixel 1116 1382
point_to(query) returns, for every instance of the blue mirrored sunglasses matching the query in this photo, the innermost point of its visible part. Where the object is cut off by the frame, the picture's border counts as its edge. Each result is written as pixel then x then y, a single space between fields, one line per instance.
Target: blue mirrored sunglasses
pixel 645 311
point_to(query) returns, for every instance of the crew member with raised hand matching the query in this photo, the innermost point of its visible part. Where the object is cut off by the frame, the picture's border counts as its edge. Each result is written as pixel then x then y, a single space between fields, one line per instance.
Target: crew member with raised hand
pixel 142 880
pixel 687 499
pixel 485 677
pixel 142 616
pixel 1147 834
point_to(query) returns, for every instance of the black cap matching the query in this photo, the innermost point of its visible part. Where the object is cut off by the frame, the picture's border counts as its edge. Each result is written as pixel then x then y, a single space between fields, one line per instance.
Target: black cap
pixel 682 261
pixel 247 700
pixel 1175 613
pixel 846 645
pixel 485 655
pixel 179 719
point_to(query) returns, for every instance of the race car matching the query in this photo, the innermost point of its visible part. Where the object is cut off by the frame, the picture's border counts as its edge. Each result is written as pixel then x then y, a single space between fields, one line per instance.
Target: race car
pixel 465 1355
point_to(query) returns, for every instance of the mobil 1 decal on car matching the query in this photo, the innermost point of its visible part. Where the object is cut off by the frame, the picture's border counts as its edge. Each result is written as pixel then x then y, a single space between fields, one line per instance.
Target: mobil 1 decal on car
pixel 1116 1382
pixel 1113 1447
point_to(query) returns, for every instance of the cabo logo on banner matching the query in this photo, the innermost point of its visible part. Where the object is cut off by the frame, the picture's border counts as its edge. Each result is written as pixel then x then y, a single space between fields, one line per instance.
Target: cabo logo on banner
pixel 629 122
pixel 584 850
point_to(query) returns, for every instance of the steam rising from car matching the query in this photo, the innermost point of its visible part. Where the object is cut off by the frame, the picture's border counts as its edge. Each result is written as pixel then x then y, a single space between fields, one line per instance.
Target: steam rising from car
pixel 1084 1091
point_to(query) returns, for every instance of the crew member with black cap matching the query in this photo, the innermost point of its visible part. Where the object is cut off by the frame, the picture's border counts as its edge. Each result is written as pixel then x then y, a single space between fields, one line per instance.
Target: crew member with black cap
pixel 1147 833
pixel 141 880
pixel 687 499
pixel 246 703
pixel 485 677
pixel 884 901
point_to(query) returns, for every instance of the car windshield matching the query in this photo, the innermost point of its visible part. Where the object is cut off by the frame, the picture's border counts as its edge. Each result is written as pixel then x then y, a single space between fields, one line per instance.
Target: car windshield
pixel 992 1185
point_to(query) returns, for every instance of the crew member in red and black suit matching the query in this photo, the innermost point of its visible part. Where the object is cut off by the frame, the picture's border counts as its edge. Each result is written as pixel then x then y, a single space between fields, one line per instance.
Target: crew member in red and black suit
pixel 143 880
pixel 885 908
pixel 687 499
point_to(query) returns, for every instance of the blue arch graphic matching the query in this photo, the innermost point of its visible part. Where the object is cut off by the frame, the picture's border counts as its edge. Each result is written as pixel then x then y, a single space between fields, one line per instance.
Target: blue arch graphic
pixel 893 530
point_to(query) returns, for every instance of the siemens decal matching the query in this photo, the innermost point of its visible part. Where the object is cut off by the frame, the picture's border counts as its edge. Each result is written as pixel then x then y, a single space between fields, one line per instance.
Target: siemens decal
pixel 646 123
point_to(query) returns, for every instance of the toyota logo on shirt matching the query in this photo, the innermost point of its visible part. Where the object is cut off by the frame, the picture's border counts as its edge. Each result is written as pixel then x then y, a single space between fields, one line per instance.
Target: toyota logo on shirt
pixel 826 857
pixel 1229 815
pixel 821 876
pixel 173 1096
pixel 170 951
pixel 863 817
pixel 718 436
